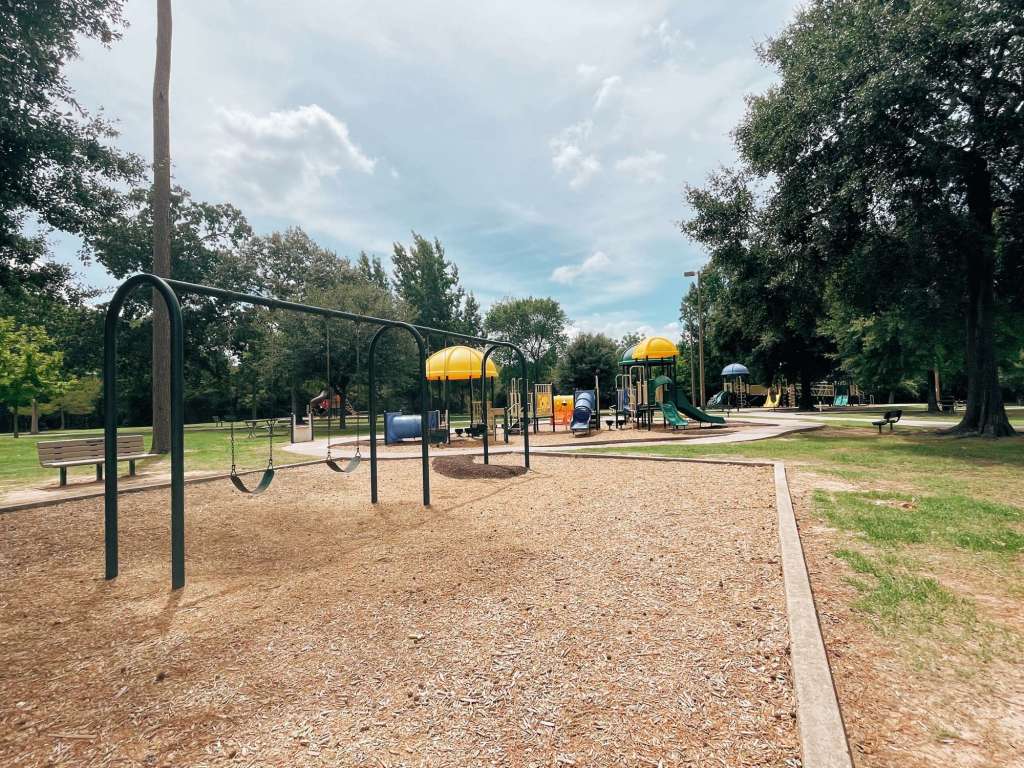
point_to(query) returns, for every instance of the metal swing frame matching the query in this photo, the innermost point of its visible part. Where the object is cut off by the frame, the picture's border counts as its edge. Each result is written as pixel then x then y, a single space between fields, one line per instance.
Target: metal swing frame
pixel 168 290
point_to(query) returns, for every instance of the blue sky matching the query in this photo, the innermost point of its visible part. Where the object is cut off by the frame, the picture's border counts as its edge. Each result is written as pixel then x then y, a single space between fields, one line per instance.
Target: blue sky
pixel 545 144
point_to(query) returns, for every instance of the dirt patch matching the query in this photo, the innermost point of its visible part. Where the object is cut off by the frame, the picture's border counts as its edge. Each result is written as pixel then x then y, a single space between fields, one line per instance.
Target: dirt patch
pixel 466 467
pixel 912 705
pixel 586 613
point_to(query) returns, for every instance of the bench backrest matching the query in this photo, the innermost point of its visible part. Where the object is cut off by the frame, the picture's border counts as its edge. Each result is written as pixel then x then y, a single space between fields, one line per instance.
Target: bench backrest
pixel 86 448
pixel 893 415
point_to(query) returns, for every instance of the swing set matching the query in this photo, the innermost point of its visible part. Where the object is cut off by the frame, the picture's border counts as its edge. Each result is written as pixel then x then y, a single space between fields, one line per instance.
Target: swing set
pixel 168 291
pixel 267 476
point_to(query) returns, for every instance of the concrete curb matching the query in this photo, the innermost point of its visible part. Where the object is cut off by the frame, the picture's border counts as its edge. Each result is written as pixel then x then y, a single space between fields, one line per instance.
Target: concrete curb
pixel 823 741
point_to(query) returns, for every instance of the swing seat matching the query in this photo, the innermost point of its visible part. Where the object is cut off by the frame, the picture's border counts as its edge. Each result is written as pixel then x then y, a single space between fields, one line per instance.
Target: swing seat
pixel 351 466
pixel 261 486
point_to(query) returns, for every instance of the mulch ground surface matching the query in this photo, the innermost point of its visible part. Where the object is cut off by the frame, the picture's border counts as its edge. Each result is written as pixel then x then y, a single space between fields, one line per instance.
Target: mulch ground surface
pixel 590 612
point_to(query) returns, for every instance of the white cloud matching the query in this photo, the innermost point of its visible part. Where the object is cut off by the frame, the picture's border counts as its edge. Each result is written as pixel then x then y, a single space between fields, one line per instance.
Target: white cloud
pixel 667 36
pixel 586 71
pixel 281 160
pixel 618 324
pixel 596 264
pixel 569 157
pixel 645 167
pixel 308 125
pixel 608 85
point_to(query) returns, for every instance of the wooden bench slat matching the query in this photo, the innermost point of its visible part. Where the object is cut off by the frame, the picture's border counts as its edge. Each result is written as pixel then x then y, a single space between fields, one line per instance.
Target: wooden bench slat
pixel 84 462
pixel 88 450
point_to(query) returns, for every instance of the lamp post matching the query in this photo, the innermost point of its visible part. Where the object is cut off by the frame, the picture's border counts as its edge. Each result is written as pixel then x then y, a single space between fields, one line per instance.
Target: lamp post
pixel 700 334
pixel 693 380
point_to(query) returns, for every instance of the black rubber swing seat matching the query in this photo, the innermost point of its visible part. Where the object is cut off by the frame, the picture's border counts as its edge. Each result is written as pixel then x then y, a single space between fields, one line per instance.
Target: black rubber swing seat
pixel 261 486
pixel 349 467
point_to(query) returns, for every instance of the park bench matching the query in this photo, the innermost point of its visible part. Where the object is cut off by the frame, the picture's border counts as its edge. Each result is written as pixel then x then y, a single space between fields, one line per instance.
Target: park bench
pixel 890 418
pixel 947 405
pixel 61 454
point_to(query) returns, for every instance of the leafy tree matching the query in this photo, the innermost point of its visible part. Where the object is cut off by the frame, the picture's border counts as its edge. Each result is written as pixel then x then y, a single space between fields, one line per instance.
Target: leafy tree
pixel 585 356
pixel 79 398
pixel 58 169
pixel 209 244
pixel 291 265
pixel 429 285
pixel 907 113
pixel 762 297
pixel 472 321
pixel 372 271
pixel 30 370
pixel 630 340
pixel 537 326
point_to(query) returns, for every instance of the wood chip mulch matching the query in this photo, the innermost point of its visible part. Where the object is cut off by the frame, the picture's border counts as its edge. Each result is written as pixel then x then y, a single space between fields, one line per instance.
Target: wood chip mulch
pixel 588 613
pixel 467 467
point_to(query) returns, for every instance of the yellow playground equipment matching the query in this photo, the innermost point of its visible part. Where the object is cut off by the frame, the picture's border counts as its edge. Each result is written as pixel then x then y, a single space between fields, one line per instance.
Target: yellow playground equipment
pixel 562 409
pixel 461 363
pixel 773 398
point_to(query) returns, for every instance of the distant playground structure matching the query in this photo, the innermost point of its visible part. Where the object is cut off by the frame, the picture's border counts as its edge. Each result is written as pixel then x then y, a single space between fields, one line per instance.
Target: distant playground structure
pixel 646 386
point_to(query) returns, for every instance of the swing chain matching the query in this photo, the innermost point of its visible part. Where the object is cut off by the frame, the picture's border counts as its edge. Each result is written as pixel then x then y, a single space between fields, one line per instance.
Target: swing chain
pixel 270 433
pixel 234 470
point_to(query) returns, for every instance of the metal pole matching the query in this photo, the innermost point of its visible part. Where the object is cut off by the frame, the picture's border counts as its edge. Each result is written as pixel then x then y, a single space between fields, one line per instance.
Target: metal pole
pixel 693 375
pixel 110 511
pixel 700 315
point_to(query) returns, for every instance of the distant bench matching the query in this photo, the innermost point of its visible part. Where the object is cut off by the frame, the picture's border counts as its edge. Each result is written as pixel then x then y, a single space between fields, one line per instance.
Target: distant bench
pixel 890 418
pixel 61 454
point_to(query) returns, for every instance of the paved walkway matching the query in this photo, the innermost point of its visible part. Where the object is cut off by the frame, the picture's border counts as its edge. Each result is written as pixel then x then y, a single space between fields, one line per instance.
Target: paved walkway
pixel 44 496
pixel 761 431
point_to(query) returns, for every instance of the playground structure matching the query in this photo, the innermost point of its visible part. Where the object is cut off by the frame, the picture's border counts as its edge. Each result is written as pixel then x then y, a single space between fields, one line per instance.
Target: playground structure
pixel 399 427
pixel 168 291
pixel 539 406
pixel 464 364
pixel 561 410
pixel 647 380
pixel 586 415
pixel 736 381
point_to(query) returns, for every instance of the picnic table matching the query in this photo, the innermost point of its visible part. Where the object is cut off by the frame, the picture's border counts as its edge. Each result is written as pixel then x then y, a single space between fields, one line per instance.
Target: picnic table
pixel 266 425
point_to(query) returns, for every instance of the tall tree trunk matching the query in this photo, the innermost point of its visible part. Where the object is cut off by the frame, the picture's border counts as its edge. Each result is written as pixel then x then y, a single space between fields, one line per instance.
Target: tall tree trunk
pixel 985 413
pixel 62 419
pixel 15 430
pixel 161 204
pixel 34 424
pixel 933 403
pixel 806 398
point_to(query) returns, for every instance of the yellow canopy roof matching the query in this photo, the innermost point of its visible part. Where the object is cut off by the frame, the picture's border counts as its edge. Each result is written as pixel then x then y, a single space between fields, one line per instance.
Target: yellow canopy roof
pixel 654 348
pixel 458 364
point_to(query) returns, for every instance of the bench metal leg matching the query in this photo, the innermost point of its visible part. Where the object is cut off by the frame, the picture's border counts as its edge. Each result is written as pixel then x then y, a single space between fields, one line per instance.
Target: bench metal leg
pixel 99 472
pixel 131 468
pixel 63 476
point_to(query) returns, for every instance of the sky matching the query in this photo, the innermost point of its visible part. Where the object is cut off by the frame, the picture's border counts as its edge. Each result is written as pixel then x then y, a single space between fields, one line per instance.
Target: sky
pixel 545 144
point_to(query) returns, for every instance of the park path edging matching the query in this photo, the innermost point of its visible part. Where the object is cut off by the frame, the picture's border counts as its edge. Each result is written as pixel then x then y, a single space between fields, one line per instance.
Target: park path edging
pixel 823 742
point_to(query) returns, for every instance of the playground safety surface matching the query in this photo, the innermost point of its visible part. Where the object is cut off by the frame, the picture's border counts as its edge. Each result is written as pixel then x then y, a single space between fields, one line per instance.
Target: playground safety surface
pixel 606 612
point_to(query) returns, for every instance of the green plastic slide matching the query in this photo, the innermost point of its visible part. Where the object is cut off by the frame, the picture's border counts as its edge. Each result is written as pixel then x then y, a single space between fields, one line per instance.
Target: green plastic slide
pixel 671 416
pixel 684 405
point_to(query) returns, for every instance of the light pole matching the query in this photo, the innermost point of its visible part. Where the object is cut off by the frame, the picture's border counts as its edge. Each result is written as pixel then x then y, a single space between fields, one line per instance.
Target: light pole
pixel 700 335
pixel 693 380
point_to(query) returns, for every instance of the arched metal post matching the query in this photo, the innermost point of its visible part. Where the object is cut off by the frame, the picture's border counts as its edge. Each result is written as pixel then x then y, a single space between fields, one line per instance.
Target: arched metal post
pixel 177 425
pixel 424 412
pixel 524 417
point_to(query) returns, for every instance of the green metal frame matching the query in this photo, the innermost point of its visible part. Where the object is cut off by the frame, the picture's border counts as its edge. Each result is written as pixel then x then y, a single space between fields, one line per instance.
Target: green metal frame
pixel 168 290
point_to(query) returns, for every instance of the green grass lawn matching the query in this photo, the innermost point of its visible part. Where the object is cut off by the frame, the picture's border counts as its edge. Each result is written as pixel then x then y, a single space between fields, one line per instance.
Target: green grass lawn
pixel 206 448
pixel 924 524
